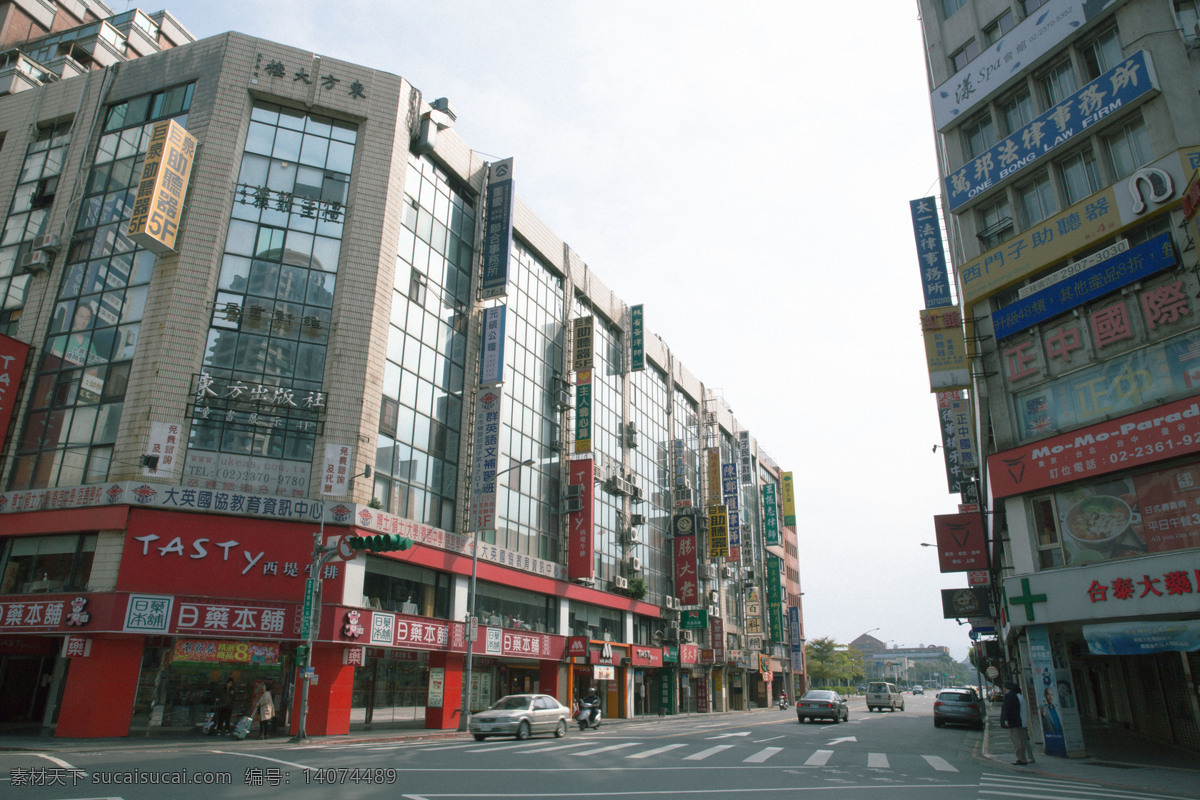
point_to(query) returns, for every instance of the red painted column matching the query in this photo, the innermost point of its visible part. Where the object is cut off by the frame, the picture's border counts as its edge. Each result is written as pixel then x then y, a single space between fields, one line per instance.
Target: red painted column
pixel 446 717
pixel 99 692
pixel 329 697
pixel 548 674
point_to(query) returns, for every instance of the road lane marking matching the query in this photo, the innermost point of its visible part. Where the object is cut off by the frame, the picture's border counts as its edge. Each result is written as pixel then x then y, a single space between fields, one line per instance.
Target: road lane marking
pixel 63 764
pixel 877 761
pixel 703 754
pixel 819 758
pixel 606 749
pixel 762 755
pixel 497 747
pixel 939 763
pixel 656 751
pixel 265 758
pixel 554 747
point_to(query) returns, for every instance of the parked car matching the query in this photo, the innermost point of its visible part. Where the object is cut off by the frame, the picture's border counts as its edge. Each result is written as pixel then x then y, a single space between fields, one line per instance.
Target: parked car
pixel 882 695
pixel 521 715
pixel 957 707
pixel 822 704
pixel 918 689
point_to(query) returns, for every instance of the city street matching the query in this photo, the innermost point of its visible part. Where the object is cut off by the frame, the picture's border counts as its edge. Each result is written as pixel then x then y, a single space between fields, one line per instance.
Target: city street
pixel 764 754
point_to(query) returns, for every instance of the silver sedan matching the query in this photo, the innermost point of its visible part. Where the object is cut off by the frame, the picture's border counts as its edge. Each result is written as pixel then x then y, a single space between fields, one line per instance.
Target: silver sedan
pixel 521 715
pixel 822 704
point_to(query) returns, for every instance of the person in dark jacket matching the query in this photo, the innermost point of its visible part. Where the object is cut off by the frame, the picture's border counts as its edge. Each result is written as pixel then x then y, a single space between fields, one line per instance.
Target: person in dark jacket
pixel 1014 717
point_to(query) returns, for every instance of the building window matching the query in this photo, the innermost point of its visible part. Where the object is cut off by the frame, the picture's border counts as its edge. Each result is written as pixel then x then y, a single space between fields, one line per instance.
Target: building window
pixel 1036 200
pixel 978 135
pixel 61 563
pixel 964 55
pixel 1128 148
pixel 1080 175
pixel 998 27
pixel 1102 53
pixel 1016 111
pixel 1057 83
pixel 1030 6
pixel 995 222
pixel 1188 14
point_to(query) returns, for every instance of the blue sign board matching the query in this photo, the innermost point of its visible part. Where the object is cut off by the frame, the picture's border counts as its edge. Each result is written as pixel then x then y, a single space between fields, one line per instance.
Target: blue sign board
pixel 1113 90
pixel 1134 264
pixel 497 243
pixel 491 359
pixel 1142 637
pixel 931 254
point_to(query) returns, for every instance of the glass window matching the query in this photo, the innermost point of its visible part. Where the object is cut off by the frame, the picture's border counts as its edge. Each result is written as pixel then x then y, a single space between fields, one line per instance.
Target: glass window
pixel 1188 14
pixel 1036 200
pixel 978 135
pixel 1016 111
pixel 1128 148
pixel 995 222
pixel 1080 175
pixel 1029 6
pixel 1045 527
pixel 950 6
pixel 998 27
pixel 1057 83
pixel 46 563
pixel 1102 53
pixel 964 55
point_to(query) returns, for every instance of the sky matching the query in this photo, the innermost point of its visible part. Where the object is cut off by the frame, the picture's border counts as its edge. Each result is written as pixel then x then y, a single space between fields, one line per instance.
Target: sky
pixel 744 171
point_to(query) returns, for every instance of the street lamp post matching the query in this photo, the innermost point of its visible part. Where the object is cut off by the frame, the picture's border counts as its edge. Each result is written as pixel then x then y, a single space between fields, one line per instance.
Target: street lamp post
pixel 464 711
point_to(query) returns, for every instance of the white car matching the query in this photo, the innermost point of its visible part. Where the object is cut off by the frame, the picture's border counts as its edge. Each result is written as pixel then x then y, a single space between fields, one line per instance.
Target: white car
pixel 521 715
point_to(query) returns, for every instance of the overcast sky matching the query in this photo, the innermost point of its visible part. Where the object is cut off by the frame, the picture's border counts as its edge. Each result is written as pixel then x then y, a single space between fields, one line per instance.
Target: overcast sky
pixel 744 170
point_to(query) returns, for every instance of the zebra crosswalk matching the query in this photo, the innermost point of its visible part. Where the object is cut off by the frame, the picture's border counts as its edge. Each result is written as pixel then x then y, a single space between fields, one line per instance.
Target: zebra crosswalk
pixel 1037 788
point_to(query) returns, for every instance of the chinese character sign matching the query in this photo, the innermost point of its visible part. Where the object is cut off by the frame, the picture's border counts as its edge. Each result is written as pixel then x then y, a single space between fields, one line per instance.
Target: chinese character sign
pixel 583 334
pixel 583 411
pixel 498 215
pixel 770 515
pixel 960 541
pixel 687 577
pixel 637 339
pixel 789 500
pixel 491 357
pixel 12 366
pixel 579 523
pixel 485 458
pixel 931 254
pixel 158 205
pixel 775 597
pixel 718 532
pixel 337 469
pixel 945 348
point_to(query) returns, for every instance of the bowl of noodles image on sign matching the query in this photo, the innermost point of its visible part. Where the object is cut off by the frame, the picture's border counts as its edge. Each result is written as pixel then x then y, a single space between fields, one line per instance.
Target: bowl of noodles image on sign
pixel 1098 520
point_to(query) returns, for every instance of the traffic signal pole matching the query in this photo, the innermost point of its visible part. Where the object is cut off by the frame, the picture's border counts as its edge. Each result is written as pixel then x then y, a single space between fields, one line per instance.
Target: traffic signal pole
pixel 321 555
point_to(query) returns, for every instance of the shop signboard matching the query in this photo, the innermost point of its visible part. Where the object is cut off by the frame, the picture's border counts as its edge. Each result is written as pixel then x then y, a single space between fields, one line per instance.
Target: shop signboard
pixel 642 656
pixel 498 216
pixel 158 205
pixel 789 499
pixel 713 465
pixel 775 597
pixel 718 532
pixel 1054 693
pixel 931 252
pixel 583 335
pixel 961 542
pixel 437 687
pixel 583 411
pixel 1143 637
pixel 693 618
pixel 491 356
pixel 770 515
pixel 731 496
pixel 227 651
pixel 580 523
pixel 965 603
pixel 686 559
pixel 485 462
pixel 637 338
pixel 945 348
pixel 13 354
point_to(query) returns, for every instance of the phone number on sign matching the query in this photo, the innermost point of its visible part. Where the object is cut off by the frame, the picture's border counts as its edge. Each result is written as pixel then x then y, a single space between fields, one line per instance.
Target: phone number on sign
pixel 343 775
pixel 1188 440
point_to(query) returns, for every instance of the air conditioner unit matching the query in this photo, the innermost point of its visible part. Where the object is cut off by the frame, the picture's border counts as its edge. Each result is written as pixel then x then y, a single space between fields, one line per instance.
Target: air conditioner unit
pixel 556 444
pixel 573 490
pixel 635 564
pixel 628 537
pixel 684 636
pixel 570 505
pixel 631 432
pixel 563 398
pixel 710 570
pixel 637 519
pixel 714 611
pixel 726 572
pixel 669 602
pixel 672 634
pixel 37 261
pixel 714 596
pixel 618 485
pixel 620 583
pixel 47 241
pixel 635 493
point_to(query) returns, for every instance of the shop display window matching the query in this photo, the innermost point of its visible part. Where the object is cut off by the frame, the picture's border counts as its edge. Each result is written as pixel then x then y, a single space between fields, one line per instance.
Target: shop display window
pixel 46 563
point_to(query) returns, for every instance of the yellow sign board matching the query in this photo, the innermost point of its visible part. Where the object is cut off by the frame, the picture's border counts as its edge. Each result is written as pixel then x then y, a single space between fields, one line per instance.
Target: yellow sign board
pixel 945 349
pixel 789 499
pixel 158 206
pixel 718 532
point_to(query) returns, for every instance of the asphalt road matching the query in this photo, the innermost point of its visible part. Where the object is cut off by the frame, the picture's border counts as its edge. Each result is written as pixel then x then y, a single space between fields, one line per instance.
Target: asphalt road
pixel 765 755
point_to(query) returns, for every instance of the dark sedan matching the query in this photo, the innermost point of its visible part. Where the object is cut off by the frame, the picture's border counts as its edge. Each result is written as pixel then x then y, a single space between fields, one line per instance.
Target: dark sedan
pixel 958 707
pixel 822 704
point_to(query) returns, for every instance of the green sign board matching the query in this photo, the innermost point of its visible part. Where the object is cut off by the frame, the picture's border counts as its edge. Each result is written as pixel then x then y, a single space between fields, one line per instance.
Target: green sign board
pixel 637 340
pixel 770 515
pixel 693 619
pixel 310 587
pixel 775 598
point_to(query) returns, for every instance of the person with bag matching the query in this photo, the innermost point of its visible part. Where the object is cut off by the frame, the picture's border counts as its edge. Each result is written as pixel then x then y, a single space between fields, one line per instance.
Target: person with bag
pixel 265 708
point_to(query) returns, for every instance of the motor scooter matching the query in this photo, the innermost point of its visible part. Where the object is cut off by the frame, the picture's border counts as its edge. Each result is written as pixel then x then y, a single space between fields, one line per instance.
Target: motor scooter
pixel 783 704
pixel 586 719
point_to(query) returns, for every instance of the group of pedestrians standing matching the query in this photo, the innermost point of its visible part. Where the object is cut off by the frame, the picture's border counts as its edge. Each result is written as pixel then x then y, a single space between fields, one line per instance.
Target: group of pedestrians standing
pixel 1014 715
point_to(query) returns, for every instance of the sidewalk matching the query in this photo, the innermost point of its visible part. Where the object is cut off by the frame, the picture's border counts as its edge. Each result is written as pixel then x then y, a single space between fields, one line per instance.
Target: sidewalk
pixel 1115 757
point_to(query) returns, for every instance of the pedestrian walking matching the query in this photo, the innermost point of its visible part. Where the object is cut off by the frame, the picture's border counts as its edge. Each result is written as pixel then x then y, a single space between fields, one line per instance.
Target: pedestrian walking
pixel 265 707
pixel 1014 716
pixel 225 708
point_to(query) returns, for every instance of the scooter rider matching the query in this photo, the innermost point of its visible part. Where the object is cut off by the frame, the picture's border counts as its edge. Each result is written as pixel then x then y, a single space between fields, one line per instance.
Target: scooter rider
pixel 591 701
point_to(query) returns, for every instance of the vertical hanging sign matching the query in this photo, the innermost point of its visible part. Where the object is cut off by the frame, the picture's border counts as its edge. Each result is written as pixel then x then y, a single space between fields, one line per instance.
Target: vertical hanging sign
pixel 491 359
pixel 486 458
pixel 583 344
pixel 789 501
pixel 746 470
pixel 13 354
pixel 713 463
pixel 687 583
pixel 730 494
pixel 683 492
pixel 770 515
pixel 337 469
pixel 579 523
pixel 583 412
pixel 497 244
pixel 775 598
pixel 637 338
pixel 718 532
pixel 158 205
pixel 927 229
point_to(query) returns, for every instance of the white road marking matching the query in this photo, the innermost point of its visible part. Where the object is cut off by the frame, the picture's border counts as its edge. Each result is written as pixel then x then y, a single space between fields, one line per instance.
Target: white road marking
pixel 819 758
pixel 264 758
pixel 877 761
pixel 656 751
pixel 939 763
pixel 762 755
pixel 554 747
pixel 703 754
pixel 606 749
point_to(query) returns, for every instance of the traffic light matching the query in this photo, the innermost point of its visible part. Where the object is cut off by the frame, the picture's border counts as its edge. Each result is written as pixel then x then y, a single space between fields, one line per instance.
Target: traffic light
pixel 381 543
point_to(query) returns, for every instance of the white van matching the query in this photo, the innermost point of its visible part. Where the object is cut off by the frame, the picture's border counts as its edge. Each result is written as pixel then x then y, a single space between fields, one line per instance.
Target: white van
pixel 884 695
